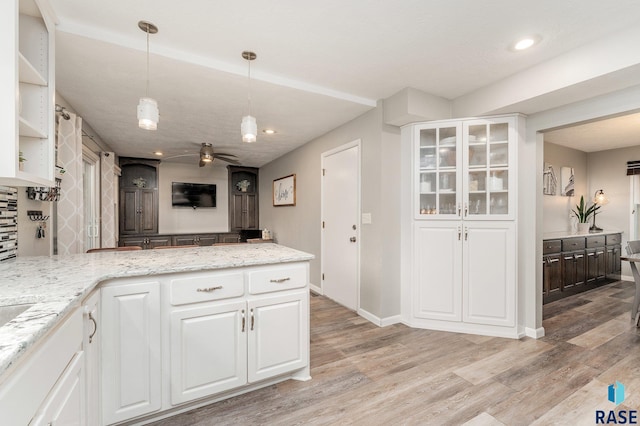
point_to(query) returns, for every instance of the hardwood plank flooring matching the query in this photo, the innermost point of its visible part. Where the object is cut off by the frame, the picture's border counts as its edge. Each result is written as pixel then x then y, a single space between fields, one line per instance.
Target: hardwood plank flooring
pixel 396 375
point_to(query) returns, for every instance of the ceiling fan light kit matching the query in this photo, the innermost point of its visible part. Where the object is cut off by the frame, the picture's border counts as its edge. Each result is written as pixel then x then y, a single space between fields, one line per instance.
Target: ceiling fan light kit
pixel 249 127
pixel 148 112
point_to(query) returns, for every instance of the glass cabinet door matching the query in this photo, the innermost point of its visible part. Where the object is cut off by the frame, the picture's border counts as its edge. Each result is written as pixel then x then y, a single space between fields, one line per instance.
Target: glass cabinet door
pixel 487 169
pixel 438 158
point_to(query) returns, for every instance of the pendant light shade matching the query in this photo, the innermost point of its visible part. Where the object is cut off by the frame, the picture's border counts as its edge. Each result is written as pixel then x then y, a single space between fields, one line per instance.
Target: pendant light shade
pixel 148 112
pixel 249 127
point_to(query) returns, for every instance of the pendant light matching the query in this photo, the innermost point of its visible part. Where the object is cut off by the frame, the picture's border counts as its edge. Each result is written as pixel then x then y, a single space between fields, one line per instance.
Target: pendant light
pixel 249 127
pixel 148 114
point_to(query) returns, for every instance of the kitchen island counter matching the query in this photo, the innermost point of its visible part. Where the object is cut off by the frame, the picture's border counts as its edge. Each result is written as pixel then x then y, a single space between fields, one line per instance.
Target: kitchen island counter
pixel 57 284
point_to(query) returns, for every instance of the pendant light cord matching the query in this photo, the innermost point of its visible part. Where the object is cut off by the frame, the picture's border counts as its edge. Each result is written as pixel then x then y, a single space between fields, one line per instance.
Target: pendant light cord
pixel 147 95
pixel 249 93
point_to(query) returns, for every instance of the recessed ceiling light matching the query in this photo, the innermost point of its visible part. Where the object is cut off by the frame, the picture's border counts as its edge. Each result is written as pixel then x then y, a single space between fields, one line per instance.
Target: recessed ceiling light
pixel 269 131
pixel 525 43
pixel 158 153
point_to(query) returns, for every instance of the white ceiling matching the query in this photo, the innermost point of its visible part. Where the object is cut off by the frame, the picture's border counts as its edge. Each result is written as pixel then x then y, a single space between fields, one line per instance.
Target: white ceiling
pixel 609 133
pixel 319 64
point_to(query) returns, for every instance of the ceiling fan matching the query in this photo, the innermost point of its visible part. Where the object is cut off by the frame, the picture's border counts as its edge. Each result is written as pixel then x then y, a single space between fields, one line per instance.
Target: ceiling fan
pixel 207 155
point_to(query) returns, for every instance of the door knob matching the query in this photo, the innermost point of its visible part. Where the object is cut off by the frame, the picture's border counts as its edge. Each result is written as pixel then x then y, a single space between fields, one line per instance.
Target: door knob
pixel 352 239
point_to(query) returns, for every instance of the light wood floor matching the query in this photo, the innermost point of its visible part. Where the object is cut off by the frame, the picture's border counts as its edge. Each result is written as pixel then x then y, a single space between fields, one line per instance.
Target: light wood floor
pixel 365 375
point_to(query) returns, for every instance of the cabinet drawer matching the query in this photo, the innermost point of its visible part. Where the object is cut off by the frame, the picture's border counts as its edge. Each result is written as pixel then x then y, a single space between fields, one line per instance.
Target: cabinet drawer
pixel 268 279
pixel 551 246
pixel 595 241
pixel 613 239
pixel 206 287
pixel 572 244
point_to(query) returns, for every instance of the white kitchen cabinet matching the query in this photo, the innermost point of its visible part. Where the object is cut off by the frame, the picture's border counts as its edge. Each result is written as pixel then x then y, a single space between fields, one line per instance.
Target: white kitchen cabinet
pixel 463 241
pixel 66 403
pixel 208 350
pixel 27 92
pixel 438 271
pixel 131 349
pixel 278 334
pixel 48 385
pixel 465 169
pixel 91 348
pixel 223 340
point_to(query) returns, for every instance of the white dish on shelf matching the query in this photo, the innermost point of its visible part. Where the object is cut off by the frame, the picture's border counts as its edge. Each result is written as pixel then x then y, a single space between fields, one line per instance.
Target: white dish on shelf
pixel 451 140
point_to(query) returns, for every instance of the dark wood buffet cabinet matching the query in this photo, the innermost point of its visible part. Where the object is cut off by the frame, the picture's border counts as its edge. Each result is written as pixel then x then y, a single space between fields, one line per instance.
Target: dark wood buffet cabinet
pixel 571 263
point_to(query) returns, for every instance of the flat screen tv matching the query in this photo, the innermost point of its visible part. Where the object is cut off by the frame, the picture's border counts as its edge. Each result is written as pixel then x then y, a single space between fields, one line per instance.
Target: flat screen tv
pixel 193 194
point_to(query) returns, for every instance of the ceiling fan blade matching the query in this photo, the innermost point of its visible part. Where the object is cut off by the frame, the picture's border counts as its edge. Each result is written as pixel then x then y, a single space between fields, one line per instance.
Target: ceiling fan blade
pixel 224 154
pixel 180 155
pixel 202 163
pixel 228 160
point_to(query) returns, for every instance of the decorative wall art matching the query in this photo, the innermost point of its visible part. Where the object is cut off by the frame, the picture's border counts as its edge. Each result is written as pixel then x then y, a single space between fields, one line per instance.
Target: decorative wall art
pixel 284 191
pixel 566 182
pixel 549 180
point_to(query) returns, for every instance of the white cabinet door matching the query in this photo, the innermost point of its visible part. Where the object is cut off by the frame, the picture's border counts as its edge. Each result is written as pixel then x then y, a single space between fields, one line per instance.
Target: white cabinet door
pixel 66 404
pixel 208 350
pixel 91 347
pixel 489 273
pixel 489 175
pixel 278 334
pixel 131 352
pixel 438 270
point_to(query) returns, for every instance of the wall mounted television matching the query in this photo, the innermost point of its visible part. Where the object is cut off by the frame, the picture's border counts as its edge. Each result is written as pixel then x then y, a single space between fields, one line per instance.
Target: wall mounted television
pixel 194 195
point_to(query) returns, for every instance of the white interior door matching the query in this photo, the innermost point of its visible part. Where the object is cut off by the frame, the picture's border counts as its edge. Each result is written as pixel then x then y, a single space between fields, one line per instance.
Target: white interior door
pixel 90 190
pixel 341 225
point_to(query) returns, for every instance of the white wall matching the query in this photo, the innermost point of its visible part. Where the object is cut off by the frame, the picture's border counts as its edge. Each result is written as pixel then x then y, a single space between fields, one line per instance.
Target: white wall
pixel 557 208
pixel 176 220
pixel 299 226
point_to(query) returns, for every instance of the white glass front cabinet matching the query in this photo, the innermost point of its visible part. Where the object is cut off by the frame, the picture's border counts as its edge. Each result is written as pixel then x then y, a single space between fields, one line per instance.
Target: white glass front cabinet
pixel 464 169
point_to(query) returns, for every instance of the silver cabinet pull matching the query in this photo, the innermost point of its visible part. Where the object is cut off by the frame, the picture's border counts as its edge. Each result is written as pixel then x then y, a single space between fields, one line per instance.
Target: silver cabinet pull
pixel 280 280
pixel 554 260
pixel 95 327
pixel 210 289
pixel 243 320
pixel 252 319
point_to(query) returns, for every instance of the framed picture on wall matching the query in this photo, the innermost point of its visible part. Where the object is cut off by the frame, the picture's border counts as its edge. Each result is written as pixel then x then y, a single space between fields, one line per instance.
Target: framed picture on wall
pixel 567 182
pixel 284 191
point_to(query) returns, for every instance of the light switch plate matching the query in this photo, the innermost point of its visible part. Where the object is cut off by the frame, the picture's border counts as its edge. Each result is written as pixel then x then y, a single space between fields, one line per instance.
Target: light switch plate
pixel 366 218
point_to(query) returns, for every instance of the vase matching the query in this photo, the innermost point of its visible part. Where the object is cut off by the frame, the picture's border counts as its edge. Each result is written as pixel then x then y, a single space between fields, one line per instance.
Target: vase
pixel 583 228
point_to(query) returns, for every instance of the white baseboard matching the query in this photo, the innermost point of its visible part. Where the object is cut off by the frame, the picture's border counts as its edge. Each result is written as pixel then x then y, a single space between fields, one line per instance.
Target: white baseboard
pixel 535 333
pixel 380 322
pixel 317 290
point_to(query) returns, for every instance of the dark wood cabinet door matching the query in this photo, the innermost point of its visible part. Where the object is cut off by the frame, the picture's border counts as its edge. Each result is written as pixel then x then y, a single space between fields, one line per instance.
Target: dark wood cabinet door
pixel 153 242
pixel 613 264
pixel 129 215
pixel 184 240
pixel 595 264
pixel 552 273
pixel 573 269
pixel 235 212
pixel 249 209
pixel 243 205
pixel 132 241
pixel 148 211
pixel 207 240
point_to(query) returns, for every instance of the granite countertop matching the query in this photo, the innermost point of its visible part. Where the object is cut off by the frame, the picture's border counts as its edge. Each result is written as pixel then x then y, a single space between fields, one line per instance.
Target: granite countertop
pixel 58 284
pixel 569 234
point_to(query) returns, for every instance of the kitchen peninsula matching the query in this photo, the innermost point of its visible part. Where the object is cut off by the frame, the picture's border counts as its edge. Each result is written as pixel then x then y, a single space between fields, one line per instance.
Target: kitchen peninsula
pixel 151 332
